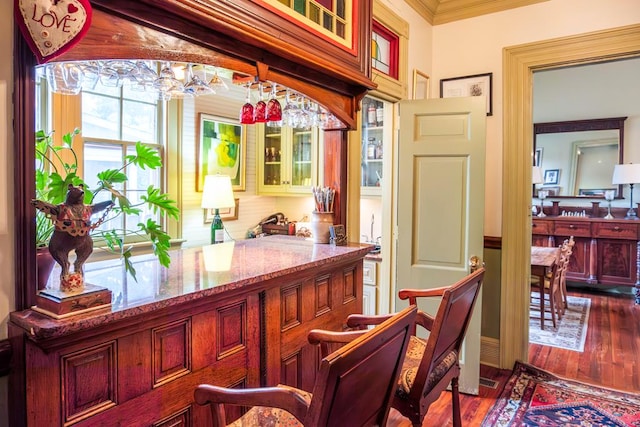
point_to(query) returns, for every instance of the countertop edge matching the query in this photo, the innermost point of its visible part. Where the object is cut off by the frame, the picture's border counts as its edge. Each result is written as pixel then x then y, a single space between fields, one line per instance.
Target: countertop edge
pixel 40 327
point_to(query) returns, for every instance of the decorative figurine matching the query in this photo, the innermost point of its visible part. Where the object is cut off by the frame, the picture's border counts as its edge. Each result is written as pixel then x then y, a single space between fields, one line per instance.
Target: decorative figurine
pixel 72 221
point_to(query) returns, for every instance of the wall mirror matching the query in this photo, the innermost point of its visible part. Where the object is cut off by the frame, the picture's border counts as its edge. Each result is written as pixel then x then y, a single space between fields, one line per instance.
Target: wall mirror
pixel 577 157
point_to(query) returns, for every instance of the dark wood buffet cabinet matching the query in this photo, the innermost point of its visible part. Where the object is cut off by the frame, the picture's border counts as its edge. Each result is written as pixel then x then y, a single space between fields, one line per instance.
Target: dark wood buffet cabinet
pixel 606 250
pixel 138 363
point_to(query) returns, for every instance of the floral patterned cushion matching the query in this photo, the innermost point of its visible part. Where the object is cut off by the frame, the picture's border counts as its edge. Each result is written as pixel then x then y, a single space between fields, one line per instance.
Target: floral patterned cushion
pixel 269 417
pixel 412 361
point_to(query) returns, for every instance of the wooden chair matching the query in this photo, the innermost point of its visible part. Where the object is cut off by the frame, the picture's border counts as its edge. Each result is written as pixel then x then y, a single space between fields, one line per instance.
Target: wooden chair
pixel 354 385
pixel 432 364
pixel 547 291
pixel 555 287
pixel 567 248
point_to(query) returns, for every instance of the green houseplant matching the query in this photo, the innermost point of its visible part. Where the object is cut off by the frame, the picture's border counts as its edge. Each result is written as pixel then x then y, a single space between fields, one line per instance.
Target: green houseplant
pixel 56 169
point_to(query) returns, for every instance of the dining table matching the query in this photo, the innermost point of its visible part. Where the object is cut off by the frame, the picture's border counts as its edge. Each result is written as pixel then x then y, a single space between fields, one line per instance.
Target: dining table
pixel 543 259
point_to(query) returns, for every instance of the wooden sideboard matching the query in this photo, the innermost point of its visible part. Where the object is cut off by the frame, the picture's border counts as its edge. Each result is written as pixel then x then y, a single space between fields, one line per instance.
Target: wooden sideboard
pixel 138 363
pixel 605 253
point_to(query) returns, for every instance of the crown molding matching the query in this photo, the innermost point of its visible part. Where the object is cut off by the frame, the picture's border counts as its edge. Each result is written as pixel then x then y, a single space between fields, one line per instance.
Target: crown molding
pixel 438 12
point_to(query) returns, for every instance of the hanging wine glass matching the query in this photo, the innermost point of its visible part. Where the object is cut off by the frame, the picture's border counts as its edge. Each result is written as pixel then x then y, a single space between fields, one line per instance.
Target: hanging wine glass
pixel 142 76
pixel 246 113
pixel 166 84
pixel 260 109
pixel 91 74
pixel 195 85
pixel 290 111
pixel 274 109
pixel 65 78
pixel 303 118
pixel 217 83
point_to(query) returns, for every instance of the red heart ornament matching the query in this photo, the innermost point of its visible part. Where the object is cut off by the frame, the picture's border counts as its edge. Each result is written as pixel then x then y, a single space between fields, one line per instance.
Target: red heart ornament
pixel 52 27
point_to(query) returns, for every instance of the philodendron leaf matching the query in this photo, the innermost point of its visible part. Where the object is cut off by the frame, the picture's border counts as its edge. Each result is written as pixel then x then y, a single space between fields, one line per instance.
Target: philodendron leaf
pixel 111 176
pixel 161 241
pixel 145 157
pixel 160 201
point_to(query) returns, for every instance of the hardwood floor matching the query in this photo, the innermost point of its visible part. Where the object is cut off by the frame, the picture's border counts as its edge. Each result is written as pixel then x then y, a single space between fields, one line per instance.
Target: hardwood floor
pixel 610 359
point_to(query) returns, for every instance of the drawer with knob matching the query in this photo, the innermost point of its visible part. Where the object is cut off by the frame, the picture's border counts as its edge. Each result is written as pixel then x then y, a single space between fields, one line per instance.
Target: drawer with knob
pixel 616 230
pixel 573 228
pixel 541 226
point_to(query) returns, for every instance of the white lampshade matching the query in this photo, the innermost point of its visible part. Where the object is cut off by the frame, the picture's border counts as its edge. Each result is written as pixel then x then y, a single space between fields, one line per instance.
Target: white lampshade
pixel 626 174
pixel 217 192
pixel 536 175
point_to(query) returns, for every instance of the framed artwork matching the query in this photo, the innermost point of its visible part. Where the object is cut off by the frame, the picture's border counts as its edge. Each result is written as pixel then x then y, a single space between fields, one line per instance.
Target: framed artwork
pixel 551 176
pixel 475 85
pixel 226 214
pixel 420 85
pixel 221 148
pixel 537 157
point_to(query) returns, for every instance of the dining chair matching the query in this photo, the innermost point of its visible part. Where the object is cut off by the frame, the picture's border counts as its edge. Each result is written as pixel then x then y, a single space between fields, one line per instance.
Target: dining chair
pixel 567 248
pixel 432 364
pixel 555 283
pixel 549 290
pixel 354 385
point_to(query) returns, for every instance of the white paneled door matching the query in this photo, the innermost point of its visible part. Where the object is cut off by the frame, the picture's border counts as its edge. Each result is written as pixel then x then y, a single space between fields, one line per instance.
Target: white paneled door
pixel 441 176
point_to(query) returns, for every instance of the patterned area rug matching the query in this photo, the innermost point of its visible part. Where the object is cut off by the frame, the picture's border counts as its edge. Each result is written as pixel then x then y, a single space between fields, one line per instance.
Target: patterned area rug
pixel 533 397
pixel 570 332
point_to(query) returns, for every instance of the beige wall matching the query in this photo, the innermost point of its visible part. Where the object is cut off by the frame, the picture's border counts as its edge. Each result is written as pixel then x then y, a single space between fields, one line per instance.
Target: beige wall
pixel 474 46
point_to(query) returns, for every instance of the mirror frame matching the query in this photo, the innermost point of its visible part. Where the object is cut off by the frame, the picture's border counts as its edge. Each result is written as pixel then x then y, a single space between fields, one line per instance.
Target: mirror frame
pixel 580 126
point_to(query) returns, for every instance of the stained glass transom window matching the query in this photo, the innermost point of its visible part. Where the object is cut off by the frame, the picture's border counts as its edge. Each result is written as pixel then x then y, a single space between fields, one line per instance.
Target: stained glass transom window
pixel 331 18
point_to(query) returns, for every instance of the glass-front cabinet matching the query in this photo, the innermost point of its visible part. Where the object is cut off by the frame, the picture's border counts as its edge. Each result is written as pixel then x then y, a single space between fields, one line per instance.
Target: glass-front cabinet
pixel 287 160
pixel 375 140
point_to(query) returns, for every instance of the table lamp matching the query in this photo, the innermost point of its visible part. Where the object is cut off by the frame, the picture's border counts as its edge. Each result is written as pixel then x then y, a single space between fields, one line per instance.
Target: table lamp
pixel 536 178
pixel 217 194
pixel 627 174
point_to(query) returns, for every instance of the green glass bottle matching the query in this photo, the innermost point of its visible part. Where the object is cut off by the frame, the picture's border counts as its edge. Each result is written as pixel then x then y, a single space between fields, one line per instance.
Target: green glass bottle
pixel 217 229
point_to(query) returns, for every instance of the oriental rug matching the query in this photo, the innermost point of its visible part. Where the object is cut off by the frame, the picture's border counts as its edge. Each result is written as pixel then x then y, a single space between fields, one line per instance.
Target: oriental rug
pixel 570 332
pixel 534 397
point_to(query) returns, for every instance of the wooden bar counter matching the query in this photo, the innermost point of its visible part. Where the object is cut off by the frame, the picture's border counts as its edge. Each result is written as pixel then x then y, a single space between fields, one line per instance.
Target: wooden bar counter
pixel 138 362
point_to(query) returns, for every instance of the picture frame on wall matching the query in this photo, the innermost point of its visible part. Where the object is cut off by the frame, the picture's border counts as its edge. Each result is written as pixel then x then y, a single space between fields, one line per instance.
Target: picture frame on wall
pixel 551 176
pixel 474 85
pixel 420 87
pixel 537 157
pixel 221 149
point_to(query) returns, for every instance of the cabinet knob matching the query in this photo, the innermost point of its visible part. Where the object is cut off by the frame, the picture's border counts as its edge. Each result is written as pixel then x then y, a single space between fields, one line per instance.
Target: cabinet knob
pixel 571 226
pixel 616 228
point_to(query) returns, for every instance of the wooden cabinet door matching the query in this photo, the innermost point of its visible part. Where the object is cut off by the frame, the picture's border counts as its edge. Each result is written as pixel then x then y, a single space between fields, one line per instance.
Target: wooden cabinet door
pixel 299 305
pixel 580 262
pixel 616 262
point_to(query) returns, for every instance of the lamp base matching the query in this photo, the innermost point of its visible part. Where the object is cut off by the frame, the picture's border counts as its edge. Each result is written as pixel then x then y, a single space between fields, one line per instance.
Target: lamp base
pixel 631 214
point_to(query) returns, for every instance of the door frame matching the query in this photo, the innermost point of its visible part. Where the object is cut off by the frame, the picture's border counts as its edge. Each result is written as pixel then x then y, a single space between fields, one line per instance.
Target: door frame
pixel 519 63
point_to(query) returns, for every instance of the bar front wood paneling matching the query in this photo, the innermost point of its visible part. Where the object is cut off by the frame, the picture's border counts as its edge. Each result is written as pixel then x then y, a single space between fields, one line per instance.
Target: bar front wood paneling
pixel 139 362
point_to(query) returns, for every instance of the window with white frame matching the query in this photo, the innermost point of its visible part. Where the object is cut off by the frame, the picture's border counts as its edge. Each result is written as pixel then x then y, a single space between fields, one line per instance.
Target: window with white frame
pixel 113 120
